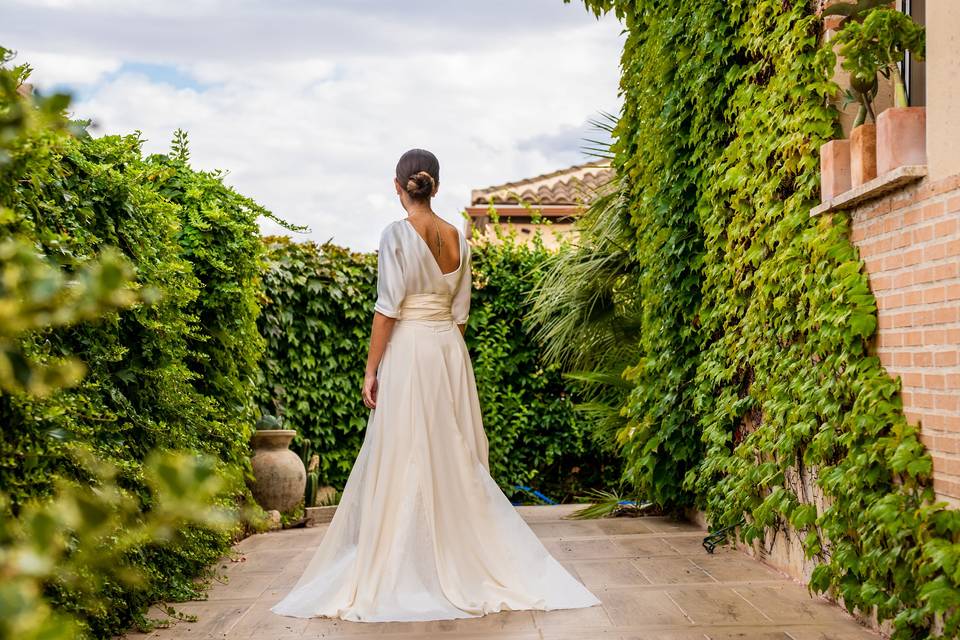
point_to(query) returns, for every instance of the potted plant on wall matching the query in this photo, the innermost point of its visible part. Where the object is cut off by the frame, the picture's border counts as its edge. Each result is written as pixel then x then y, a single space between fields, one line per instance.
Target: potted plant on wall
pixel 875 46
pixel 279 476
pixel 846 163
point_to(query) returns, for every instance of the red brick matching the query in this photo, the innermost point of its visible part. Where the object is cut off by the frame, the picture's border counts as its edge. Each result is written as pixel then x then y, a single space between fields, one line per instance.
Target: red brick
pixel 947 402
pixel 944 315
pixel 934 210
pixel 904 319
pixel 922 358
pixel 891 339
pixel 946 444
pixel 953 204
pixel 903 279
pixel 892 223
pixel 946 465
pixel 913 256
pixel 911 298
pixel 881 208
pixel 945 358
pixel 922 234
pixel 913 417
pixel 912 379
pixel 913 338
pixel 933 381
pixel 913 216
pixel 946 227
pixel 901 240
pixel 953 291
pixel 923 400
pixel 936 251
pixel 880 282
pixel 934 294
pixel 952 380
pixel 947 488
pixel 947 270
pixel 899 359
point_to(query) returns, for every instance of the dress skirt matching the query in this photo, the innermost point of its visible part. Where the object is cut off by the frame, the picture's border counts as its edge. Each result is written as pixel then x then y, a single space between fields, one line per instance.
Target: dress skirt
pixel 422 531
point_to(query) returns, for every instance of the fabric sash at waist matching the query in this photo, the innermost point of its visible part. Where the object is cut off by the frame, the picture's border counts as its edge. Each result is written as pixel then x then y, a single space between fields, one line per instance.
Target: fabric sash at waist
pixel 426 306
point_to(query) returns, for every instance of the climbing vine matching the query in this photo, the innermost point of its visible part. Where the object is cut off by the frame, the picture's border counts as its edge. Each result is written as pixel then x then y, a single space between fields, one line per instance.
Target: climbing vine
pixel 754 394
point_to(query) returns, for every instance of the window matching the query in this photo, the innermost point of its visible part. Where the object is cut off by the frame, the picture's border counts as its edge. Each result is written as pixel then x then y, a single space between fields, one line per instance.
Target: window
pixel 914 71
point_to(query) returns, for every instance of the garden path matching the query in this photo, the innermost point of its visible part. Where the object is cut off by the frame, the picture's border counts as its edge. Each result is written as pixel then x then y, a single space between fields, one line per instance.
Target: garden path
pixel 652 574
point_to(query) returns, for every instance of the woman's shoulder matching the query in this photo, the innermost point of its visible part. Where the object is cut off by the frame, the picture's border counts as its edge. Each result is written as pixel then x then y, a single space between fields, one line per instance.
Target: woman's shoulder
pixel 389 231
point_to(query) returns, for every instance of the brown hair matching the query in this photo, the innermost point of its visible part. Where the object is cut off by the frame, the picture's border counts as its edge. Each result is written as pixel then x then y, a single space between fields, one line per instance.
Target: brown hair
pixel 418 172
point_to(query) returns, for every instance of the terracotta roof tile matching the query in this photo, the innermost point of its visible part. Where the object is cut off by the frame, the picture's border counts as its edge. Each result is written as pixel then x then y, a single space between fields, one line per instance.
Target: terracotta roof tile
pixel 571 186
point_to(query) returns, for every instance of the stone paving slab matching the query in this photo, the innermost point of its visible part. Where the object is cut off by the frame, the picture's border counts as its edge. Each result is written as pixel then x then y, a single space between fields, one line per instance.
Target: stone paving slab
pixel 652 574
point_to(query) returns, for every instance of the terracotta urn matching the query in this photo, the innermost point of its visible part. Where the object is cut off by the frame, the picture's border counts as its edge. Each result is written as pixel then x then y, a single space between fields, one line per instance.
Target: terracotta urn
pixel 901 138
pixel 863 154
pixel 834 169
pixel 279 475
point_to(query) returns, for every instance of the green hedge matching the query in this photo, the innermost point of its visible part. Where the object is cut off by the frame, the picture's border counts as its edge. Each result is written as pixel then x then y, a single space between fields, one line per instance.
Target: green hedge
pixel 317 324
pixel 752 362
pixel 177 373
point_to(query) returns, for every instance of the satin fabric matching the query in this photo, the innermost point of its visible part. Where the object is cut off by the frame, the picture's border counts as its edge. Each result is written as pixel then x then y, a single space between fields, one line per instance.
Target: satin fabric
pixel 422 531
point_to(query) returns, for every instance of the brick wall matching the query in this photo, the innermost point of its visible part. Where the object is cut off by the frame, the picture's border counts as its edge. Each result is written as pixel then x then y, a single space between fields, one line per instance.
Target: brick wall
pixel 910 242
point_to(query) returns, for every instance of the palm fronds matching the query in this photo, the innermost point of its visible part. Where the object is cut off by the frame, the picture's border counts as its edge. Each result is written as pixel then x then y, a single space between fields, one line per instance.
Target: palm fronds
pixel 610 504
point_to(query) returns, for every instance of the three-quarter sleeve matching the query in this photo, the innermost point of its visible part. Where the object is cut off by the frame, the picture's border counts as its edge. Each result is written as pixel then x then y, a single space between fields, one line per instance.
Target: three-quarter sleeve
pixel 460 307
pixel 390 282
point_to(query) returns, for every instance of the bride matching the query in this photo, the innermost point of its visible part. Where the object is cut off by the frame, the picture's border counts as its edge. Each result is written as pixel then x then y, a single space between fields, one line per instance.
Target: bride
pixel 422 531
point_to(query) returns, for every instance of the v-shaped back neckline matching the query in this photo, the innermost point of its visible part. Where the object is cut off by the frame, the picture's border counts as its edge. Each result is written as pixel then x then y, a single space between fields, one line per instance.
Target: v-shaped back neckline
pixel 433 258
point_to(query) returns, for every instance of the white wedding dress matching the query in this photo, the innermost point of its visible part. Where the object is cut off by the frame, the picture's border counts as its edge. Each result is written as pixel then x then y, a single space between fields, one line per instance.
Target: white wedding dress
pixel 422 531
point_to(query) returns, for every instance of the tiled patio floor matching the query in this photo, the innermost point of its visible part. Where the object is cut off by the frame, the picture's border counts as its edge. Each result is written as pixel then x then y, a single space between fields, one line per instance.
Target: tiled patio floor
pixel 654 578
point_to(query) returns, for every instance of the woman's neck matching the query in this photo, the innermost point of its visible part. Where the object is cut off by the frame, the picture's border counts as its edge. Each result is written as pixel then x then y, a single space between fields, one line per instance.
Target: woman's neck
pixel 422 210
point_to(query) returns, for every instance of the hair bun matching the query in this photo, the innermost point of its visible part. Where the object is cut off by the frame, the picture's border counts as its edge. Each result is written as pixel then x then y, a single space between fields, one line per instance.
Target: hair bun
pixel 420 185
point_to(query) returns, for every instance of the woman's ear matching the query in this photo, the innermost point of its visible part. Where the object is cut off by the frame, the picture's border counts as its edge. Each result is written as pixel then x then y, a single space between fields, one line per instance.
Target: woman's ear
pixel 436 187
pixel 396 185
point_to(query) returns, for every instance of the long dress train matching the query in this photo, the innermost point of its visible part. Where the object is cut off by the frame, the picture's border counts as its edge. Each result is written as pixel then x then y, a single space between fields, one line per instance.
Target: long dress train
pixel 422 531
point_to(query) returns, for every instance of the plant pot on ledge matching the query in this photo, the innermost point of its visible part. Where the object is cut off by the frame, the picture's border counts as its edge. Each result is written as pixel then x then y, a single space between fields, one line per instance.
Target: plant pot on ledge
pixel 279 475
pixel 863 154
pixel 901 138
pixel 834 169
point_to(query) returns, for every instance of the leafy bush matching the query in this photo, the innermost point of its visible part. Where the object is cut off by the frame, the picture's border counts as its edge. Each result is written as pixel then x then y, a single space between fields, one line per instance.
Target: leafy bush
pixel 175 373
pixel 317 326
pixel 316 316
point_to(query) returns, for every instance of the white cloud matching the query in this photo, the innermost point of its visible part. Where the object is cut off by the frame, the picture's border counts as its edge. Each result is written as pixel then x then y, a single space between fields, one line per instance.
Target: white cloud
pixel 309 106
pixel 55 69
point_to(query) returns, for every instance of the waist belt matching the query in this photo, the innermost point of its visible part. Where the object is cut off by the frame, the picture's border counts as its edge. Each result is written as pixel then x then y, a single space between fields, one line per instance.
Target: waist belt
pixel 426 306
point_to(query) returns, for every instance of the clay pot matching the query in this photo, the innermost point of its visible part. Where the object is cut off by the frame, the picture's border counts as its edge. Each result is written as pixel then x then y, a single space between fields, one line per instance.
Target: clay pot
pixel 834 169
pixel 901 138
pixel 863 154
pixel 279 476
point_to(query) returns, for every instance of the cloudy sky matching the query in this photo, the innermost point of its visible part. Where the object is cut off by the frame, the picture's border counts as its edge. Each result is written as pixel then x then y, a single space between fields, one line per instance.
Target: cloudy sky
pixel 308 104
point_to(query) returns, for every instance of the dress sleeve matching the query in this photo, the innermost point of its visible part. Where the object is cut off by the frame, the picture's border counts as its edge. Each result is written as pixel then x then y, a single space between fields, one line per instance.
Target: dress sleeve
pixel 460 308
pixel 390 283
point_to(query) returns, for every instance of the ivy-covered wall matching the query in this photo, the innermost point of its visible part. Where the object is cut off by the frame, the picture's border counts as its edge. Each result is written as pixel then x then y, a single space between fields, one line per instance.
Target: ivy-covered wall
pixel 753 380
pixel 316 319
pixel 175 373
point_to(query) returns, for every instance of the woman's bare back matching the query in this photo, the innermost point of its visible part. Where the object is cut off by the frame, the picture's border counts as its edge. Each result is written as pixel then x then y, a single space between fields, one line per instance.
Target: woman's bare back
pixel 445 252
